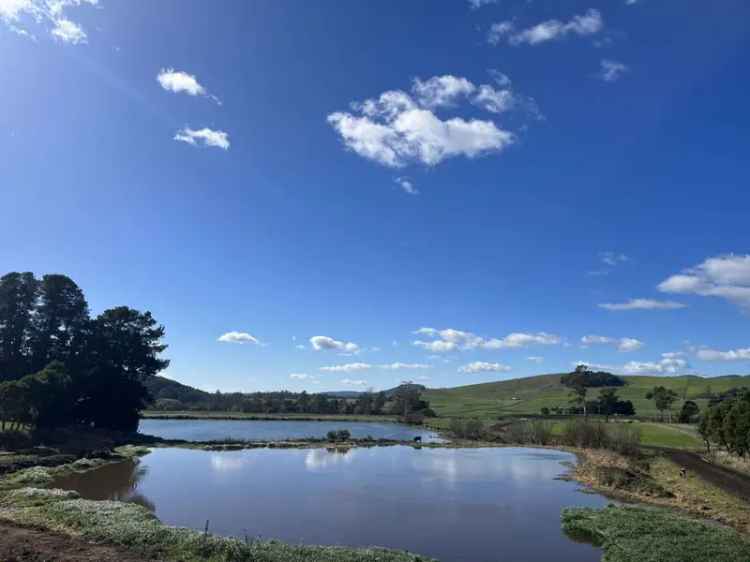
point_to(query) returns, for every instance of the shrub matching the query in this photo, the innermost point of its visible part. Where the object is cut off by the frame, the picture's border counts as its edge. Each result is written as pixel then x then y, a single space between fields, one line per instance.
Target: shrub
pixel 467 429
pixel 338 435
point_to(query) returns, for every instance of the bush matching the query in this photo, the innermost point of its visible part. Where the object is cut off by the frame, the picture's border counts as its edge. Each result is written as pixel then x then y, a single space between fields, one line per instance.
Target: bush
pixel 340 435
pixel 534 432
pixel 467 429
pixel 624 439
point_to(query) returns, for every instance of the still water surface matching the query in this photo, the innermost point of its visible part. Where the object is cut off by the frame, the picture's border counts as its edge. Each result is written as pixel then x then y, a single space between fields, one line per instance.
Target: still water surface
pixel 457 505
pixel 276 430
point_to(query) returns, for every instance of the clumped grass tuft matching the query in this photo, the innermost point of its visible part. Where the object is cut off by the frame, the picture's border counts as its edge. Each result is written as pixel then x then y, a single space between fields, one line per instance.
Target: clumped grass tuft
pixel 629 534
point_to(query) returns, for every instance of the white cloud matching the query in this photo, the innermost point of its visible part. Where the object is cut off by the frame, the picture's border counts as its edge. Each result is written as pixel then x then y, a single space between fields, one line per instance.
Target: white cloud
pixel 323 343
pixel 441 91
pixel 397 129
pixel 301 376
pixel 476 4
pixel 494 101
pixel 450 339
pixel 535 359
pixel 238 337
pixel 181 82
pixel 484 367
pixel 69 32
pixel 731 355
pixel 629 344
pixel 347 368
pixel 407 185
pixel 622 344
pixel 642 304
pixel 51 15
pixel 586 24
pixel 351 382
pixel 206 136
pixel 725 276
pixel 613 258
pixel 611 70
pixel 399 366
pixel 670 363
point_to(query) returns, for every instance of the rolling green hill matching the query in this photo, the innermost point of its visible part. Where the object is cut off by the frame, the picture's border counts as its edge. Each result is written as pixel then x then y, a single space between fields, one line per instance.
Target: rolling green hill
pixel 529 395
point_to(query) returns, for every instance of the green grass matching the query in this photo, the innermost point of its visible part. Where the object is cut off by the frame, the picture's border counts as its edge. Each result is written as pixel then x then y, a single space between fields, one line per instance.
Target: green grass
pixel 669 436
pixel 493 399
pixel 629 534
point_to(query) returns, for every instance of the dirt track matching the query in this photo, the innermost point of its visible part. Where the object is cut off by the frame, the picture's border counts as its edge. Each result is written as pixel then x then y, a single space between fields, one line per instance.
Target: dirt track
pixel 724 478
pixel 17 543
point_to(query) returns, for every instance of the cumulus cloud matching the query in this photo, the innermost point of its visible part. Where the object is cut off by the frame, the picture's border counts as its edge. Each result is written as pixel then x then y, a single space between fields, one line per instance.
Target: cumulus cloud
pixel 535 359
pixel 484 367
pixel 611 70
pixel 399 128
pixel 622 344
pixel 670 363
pixel 730 355
pixel 642 304
pixel 450 339
pixel 347 368
pixel 49 15
pixel 586 24
pixel 725 276
pixel 238 337
pixel 205 136
pixel 325 343
pixel 407 185
pixel 181 82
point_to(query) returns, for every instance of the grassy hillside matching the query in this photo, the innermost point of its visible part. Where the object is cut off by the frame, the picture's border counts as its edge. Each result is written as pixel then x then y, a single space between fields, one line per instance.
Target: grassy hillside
pixel 529 395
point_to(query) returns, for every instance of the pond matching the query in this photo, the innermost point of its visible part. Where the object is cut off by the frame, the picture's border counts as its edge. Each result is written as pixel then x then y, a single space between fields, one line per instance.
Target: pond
pixel 277 430
pixel 457 505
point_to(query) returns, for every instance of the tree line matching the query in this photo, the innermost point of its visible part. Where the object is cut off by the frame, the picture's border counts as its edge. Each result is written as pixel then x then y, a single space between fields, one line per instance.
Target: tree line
pixel 402 401
pixel 726 422
pixel 61 366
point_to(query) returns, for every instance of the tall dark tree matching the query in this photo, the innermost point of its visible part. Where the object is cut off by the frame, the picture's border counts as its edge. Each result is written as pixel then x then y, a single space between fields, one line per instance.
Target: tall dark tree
pixel 17 298
pixel 60 320
pixel 130 340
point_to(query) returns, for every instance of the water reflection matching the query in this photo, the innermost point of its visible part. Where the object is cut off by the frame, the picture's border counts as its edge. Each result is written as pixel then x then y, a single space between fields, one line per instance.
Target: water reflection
pixel 456 505
pixel 317 459
pixel 118 482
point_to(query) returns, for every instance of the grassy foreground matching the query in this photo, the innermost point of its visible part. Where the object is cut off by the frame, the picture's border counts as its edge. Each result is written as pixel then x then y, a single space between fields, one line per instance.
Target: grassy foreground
pixel 629 534
pixel 25 500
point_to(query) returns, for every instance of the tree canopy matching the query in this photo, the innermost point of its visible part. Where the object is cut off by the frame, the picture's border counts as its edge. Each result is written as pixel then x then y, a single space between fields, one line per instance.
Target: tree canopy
pixel 59 366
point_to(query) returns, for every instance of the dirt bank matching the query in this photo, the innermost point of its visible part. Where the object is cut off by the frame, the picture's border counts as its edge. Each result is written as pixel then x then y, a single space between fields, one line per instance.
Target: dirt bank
pixel 726 479
pixel 19 543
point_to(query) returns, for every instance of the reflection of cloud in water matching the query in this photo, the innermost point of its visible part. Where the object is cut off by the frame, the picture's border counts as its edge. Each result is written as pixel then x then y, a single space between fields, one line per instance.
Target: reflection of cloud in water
pixel 317 459
pixel 454 465
pixel 225 462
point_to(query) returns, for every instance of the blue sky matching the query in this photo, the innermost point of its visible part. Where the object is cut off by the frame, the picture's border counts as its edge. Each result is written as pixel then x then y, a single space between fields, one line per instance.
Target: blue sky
pixel 358 193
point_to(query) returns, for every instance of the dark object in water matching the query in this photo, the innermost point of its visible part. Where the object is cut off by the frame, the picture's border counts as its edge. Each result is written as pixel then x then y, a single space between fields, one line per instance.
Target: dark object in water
pixel 418 439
